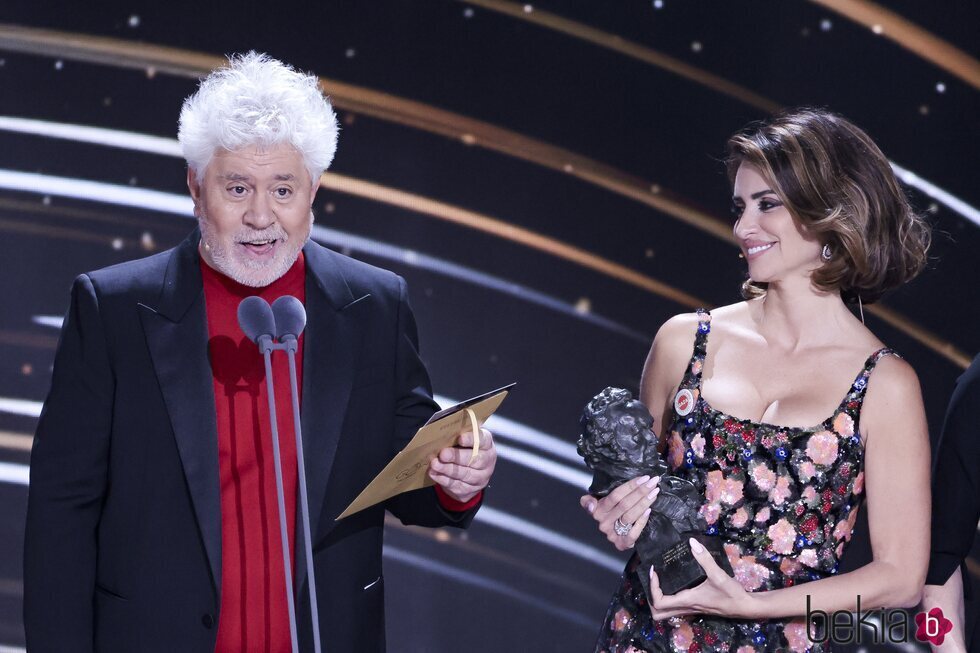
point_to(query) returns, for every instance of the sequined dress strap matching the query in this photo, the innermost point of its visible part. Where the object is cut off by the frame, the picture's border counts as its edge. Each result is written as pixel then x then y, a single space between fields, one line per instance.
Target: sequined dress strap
pixel 692 377
pixel 854 399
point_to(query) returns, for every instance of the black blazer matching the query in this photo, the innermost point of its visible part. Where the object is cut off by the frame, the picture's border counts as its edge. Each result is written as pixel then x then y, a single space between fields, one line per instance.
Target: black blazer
pixel 123 539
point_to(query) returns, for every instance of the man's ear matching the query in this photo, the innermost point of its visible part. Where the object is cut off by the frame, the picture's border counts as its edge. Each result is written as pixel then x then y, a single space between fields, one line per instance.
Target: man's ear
pixel 314 189
pixel 193 186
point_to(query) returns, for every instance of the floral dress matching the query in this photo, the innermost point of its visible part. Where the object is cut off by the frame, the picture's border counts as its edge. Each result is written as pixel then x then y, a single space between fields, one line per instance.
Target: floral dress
pixel 783 500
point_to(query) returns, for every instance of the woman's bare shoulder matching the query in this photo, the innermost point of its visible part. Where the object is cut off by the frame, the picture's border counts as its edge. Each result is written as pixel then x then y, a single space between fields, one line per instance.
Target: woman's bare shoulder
pixel 893 380
pixel 675 338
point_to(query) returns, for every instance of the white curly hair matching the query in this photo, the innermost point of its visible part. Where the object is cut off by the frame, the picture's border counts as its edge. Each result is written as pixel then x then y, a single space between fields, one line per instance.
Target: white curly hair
pixel 258 100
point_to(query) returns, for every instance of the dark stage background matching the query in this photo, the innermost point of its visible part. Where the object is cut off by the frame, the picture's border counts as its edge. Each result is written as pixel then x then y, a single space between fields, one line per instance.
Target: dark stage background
pixel 546 177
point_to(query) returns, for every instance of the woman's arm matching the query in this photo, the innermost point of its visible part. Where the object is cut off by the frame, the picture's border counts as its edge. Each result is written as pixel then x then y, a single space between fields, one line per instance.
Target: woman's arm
pixel 897 482
pixel 664 368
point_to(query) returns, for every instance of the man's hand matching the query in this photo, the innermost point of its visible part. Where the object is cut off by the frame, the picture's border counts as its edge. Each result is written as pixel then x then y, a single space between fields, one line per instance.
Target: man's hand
pixel 454 472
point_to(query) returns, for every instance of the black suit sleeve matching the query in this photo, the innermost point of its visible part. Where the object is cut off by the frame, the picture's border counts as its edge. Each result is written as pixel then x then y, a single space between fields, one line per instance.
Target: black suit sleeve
pixel 956 481
pixel 68 483
pixel 413 406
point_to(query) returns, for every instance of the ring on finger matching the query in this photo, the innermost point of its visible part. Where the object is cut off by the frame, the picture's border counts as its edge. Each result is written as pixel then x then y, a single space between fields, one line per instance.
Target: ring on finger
pixel 621 529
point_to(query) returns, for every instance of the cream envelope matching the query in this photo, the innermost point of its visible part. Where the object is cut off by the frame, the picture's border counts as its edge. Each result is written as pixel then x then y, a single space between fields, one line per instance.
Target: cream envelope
pixel 406 471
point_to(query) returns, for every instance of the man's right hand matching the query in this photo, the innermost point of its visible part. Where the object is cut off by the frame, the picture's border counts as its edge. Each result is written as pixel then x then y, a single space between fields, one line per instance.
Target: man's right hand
pixel 629 504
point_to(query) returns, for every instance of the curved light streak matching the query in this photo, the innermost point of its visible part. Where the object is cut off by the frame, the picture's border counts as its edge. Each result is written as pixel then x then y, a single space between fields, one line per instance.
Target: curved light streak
pixel 466 577
pixel 532 531
pixel 125 140
pixel 169 202
pixel 631 49
pixel 123 54
pixel 909 178
pixel 184 63
pixel 882 21
pixel 97 191
pixel 507 231
pixel 910 36
pixel 18 474
pixel 183 206
pixel 16 441
pixel 55 321
pixel 351 186
pixel 372 191
pixel 577 479
pixel 390 252
pixel 21 407
pixel 14 473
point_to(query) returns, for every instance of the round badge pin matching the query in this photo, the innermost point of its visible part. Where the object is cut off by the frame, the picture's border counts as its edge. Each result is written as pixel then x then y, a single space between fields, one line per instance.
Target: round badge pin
pixel 684 402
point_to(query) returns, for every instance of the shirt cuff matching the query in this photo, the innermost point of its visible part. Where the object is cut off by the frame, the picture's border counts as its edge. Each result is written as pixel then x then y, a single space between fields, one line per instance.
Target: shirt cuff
pixel 452 505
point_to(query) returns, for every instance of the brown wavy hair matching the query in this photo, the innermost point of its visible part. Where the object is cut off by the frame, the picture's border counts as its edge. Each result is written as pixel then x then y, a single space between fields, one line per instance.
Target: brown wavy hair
pixel 839 186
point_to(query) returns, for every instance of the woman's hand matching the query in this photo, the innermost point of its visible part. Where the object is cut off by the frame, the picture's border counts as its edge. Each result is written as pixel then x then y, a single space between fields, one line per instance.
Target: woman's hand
pixel 627 505
pixel 719 595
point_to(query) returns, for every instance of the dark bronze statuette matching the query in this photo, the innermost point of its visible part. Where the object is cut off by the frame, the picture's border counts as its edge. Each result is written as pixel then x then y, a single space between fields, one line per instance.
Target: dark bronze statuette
pixel 618 444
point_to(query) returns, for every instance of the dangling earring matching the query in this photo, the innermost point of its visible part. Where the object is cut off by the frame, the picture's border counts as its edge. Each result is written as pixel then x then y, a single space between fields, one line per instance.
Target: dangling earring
pixel 826 253
pixel 861 309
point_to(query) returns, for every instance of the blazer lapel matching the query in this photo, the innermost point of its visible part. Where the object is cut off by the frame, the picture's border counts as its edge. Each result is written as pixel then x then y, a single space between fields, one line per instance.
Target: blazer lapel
pixel 331 339
pixel 177 335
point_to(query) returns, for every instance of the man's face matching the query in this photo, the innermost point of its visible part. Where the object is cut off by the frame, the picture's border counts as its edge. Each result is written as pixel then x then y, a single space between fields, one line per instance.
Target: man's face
pixel 253 207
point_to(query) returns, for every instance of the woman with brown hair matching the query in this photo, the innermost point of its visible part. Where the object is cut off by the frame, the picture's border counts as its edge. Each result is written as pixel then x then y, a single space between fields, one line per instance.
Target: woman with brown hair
pixel 767 418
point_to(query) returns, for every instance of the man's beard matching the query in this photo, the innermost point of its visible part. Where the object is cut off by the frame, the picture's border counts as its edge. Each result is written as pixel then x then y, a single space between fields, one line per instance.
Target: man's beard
pixel 255 274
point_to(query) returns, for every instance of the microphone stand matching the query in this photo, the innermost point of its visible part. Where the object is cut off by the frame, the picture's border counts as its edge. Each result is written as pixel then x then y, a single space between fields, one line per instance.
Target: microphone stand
pixel 290 344
pixel 258 320
pixel 266 346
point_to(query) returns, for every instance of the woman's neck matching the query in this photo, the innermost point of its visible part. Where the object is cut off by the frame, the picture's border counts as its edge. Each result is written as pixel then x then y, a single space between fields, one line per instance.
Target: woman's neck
pixel 796 315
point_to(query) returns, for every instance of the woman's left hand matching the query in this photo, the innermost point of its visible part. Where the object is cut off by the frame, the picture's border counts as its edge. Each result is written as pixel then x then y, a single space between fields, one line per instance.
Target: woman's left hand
pixel 719 595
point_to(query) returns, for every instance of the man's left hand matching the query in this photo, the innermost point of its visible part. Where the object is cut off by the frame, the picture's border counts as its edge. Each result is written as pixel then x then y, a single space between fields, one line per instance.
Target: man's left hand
pixel 454 472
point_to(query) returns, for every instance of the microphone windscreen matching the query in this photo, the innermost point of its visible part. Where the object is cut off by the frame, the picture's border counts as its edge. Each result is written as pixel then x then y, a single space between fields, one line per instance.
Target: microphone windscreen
pixel 255 318
pixel 290 316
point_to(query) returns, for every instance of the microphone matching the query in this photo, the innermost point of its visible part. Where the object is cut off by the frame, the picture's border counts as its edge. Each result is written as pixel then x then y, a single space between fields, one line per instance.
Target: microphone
pixel 290 317
pixel 256 319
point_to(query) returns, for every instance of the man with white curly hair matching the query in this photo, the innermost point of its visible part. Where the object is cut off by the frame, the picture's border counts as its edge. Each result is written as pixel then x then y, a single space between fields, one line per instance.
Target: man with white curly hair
pixel 153 522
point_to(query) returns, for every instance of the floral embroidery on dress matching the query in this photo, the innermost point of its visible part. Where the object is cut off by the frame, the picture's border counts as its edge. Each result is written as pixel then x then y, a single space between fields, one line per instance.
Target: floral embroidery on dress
pixel 784 501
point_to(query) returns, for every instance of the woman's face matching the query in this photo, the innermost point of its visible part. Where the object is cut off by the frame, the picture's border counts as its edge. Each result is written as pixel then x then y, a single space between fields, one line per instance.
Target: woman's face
pixel 775 246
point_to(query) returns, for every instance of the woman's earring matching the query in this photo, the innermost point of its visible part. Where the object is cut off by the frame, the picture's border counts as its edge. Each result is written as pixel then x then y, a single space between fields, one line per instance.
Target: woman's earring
pixel 861 308
pixel 826 253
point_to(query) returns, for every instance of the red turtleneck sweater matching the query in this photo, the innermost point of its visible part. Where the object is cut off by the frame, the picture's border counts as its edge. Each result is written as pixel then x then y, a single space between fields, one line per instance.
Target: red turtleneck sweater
pixel 253 614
